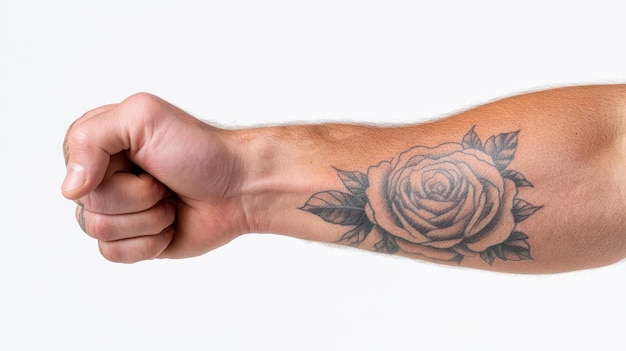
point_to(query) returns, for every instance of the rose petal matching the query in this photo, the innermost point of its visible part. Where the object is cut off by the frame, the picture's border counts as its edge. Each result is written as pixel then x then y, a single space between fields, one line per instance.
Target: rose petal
pixel 443 244
pixel 409 181
pixel 436 182
pixel 471 196
pixel 463 250
pixel 436 207
pixel 417 174
pixel 479 207
pixel 454 231
pixel 487 210
pixel 406 193
pixel 481 155
pixel 446 219
pixel 477 199
pixel 452 179
pixel 415 226
pixel 459 187
pixel 414 155
pixel 467 204
pixel 378 199
pixel 450 216
pixel 400 181
pixel 502 226
pixel 410 212
pixel 413 158
pixel 425 251
pixel 479 167
pixel 414 207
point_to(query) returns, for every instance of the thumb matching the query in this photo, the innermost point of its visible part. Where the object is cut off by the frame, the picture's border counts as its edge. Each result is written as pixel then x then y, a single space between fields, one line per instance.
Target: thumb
pixel 89 144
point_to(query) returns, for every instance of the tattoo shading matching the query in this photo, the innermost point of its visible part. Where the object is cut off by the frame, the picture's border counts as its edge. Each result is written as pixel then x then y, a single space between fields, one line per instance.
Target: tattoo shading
pixel 443 203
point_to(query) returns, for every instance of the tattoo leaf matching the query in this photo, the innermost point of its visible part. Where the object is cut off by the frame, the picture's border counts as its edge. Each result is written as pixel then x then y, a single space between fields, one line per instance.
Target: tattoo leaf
pixel 387 244
pixel 515 237
pixel 488 256
pixel 337 207
pixel 515 248
pixel 516 177
pixel 471 140
pixel 457 259
pixel 502 148
pixel 355 181
pixel 522 210
pixel 355 236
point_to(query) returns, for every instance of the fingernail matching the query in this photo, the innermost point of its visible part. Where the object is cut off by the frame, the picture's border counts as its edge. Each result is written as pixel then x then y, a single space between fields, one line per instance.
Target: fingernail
pixel 74 178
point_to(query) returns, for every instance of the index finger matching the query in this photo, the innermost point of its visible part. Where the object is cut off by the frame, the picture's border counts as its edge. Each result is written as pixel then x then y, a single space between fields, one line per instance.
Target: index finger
pixel 89 143
pixel 96 111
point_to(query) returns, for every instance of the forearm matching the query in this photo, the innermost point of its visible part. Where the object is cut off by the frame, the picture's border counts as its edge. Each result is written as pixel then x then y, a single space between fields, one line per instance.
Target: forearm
pixel 569 147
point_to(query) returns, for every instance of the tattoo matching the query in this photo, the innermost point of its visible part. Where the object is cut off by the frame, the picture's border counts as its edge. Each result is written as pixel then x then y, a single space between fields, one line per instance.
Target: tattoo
pixel 443 203
pixel 81 218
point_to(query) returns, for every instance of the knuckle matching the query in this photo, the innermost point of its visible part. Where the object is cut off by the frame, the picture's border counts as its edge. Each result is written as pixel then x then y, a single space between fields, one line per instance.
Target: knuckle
pixel 111 252
pixel 77 137
pixel 147 112
pixel 140 97
pixel 168 214
pixel 73 132
pixel 102 200
pixel 92 201
pixel 143 104
pixel 150 249
pixel 160 242
pixel 99 227
pixel 155 189
pixel 156 219
pixel 150 189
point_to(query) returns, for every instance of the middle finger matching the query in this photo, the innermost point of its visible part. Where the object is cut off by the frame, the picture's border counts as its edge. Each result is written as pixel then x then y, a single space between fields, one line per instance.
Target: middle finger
pixel 115 227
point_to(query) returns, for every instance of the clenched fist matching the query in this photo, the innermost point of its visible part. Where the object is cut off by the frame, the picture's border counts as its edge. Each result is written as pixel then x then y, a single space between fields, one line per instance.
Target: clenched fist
pixel 152 181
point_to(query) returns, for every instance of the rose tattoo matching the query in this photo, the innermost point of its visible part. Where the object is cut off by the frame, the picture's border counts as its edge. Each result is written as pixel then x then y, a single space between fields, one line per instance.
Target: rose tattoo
pixel 443 203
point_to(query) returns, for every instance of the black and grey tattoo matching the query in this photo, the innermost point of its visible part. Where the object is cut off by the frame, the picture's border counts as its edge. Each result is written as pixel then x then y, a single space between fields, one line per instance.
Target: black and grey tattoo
pixel 443 203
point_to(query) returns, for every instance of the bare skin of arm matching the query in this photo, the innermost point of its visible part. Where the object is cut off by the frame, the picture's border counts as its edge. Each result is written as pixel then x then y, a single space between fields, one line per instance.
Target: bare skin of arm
pixel 533 183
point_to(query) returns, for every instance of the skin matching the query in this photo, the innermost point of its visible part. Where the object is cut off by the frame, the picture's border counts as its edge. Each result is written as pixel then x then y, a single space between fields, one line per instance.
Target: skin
pixel 151 181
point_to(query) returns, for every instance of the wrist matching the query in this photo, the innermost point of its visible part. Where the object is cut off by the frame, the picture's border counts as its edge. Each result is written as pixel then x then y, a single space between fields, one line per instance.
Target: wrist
pixel 280 167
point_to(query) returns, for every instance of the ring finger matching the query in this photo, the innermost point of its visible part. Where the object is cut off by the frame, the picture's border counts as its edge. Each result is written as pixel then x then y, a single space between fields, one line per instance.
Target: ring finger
pixel 115 227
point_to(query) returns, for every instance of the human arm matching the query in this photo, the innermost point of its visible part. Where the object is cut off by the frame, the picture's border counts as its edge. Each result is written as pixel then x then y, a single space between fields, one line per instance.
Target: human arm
pixel 293 180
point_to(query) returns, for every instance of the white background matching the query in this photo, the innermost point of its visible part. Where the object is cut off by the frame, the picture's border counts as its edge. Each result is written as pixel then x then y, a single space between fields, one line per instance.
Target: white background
pixel 241 63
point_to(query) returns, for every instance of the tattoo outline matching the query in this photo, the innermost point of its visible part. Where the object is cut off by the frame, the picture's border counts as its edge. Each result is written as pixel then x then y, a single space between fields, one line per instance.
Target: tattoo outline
pixel 443 203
